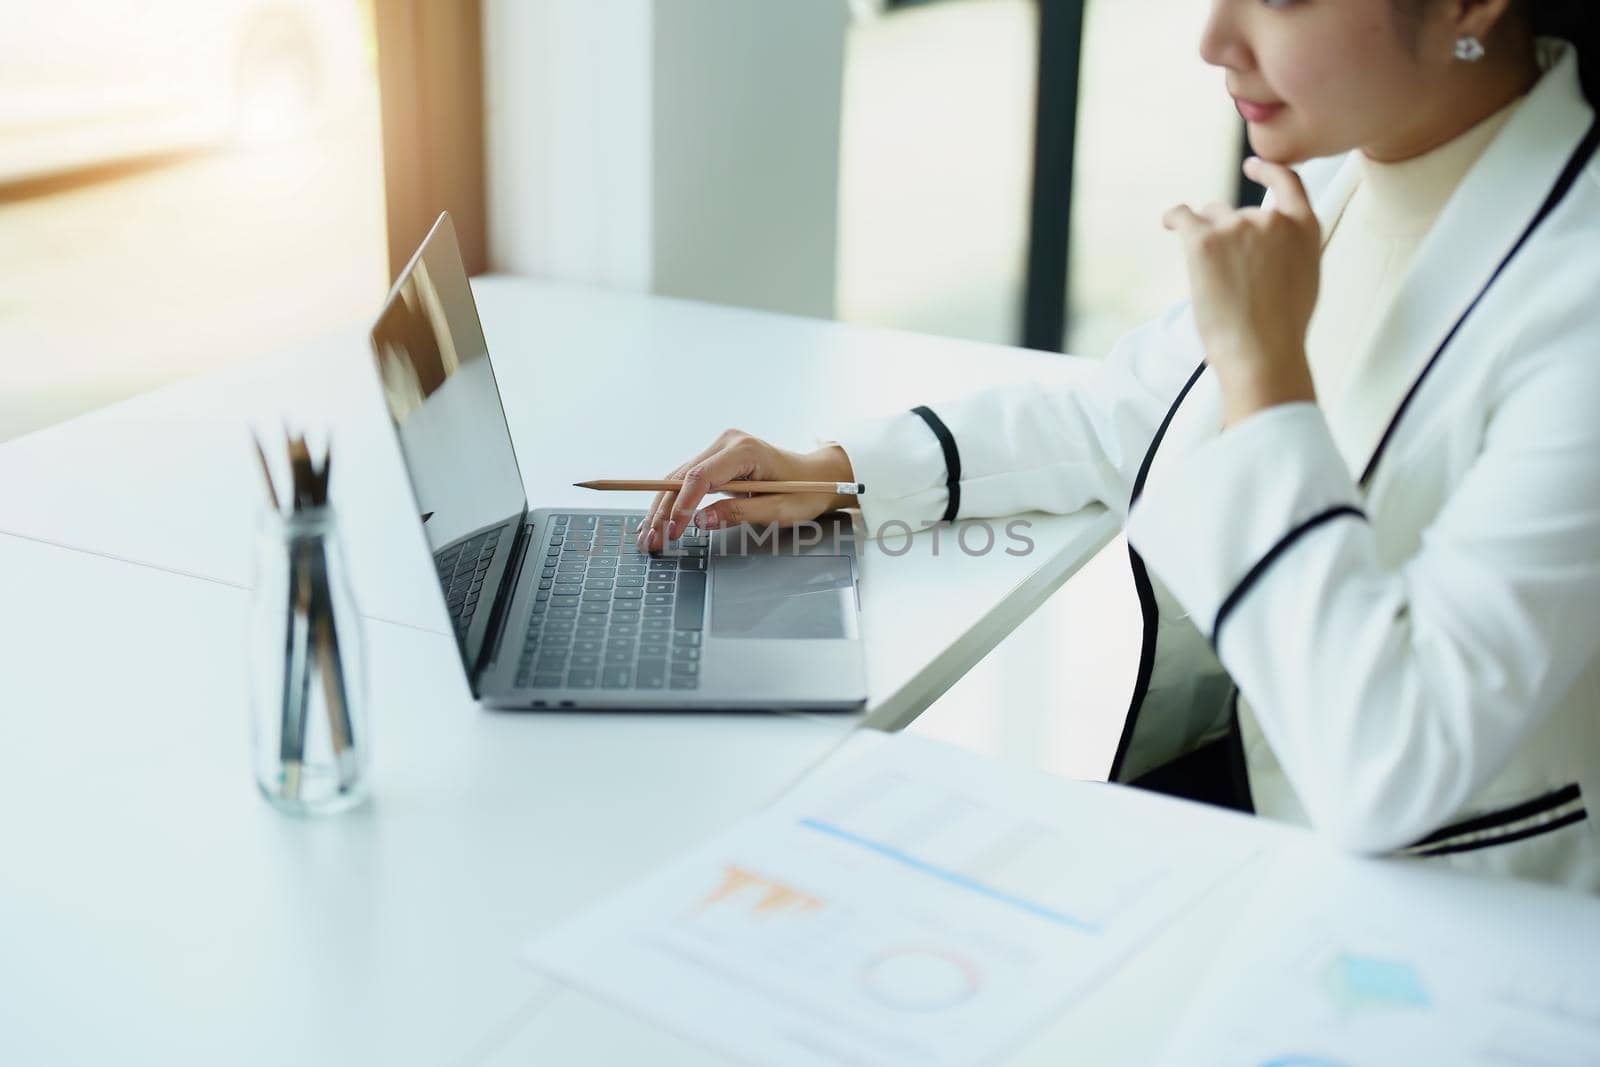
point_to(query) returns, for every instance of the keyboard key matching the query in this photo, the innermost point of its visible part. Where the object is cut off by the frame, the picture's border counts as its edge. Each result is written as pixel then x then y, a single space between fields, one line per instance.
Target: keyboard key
pixel 658 598
pixel 584 661
pixel 691 565
pixel 682 681
pixel 586 646
pixel 681 668
pixel 691 605
pixel 657 611
pixel 660 587
pixel 630 582
pixel 684 653
pixel 628 594
pixel 544 681
pixel 594 607
pixel 584 679
pixel 686 637
pixel 625 605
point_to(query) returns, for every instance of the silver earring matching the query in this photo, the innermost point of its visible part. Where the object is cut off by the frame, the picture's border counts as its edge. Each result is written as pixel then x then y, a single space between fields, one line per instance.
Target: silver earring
pixel 1469 49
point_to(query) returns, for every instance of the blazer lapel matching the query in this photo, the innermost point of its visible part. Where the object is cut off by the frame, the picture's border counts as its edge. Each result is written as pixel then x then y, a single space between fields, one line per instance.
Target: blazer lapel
pixel 1479 225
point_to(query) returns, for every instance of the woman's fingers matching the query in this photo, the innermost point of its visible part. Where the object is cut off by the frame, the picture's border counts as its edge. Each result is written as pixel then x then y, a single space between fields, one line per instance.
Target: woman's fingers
pixel 732 457
pixel 737 460
pixel 1288 192
pixel 1183 219
pixel 763 509
pixel 653 531
pixel 653 514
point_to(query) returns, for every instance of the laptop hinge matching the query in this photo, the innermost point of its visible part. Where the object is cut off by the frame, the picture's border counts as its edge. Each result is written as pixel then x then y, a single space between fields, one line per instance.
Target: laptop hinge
pixel 503 600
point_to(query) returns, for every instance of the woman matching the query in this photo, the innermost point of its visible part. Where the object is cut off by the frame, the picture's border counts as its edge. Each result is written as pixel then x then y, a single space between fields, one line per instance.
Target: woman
pixel 1361 467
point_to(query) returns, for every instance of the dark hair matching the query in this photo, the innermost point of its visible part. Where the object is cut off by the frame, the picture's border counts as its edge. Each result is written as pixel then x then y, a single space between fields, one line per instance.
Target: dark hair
pixel 1577 21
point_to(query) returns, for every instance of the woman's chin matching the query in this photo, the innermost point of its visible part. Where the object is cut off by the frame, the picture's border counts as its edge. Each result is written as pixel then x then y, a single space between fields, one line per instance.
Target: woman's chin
pixel 1278 148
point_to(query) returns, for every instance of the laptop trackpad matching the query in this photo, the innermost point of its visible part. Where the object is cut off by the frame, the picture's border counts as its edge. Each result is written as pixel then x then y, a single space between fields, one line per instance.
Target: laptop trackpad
pixel 782 597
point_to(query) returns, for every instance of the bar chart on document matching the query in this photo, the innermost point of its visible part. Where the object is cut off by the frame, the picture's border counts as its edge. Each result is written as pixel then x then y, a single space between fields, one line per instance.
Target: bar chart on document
pixel 901 911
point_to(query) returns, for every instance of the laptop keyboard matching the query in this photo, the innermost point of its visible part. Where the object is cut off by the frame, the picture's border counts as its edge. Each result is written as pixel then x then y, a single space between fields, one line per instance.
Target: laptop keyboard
pixel 608 616
pixel 461 569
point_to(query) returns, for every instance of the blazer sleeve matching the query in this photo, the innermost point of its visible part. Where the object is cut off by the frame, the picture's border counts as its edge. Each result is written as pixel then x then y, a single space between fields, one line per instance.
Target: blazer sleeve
pixel 1025 447
pixel 1392 693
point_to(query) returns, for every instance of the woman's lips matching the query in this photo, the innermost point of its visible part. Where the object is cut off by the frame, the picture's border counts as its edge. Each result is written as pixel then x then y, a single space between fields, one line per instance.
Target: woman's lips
pixel 1254 112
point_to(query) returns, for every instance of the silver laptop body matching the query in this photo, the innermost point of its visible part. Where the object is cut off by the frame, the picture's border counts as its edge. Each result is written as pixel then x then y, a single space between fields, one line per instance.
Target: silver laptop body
pixel 554 607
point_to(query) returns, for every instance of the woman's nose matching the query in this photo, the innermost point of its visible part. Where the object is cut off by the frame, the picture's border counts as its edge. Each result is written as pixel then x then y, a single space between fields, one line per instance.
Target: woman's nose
pixel 1220 42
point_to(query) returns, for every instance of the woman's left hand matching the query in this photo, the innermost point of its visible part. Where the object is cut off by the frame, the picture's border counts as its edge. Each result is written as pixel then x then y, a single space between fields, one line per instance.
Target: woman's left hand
pixel 1253 276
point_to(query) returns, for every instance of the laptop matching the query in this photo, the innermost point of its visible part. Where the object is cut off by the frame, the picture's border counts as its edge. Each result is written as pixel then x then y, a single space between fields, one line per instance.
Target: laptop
pixel 556 607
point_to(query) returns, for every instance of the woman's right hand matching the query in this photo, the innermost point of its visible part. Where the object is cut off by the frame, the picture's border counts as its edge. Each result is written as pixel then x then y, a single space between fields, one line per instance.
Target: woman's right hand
pixel 736 456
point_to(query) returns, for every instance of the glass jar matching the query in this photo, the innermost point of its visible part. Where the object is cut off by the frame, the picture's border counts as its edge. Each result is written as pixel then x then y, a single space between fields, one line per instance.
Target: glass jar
pixel 312 748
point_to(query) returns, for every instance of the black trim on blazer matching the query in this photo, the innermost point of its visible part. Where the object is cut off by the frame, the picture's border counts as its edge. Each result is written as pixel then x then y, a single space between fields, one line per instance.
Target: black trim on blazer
pixel 1504 839
pixel 1141 577
pixel 1236 761
pixel 1516 813
pixel 1254 573
pixel 952 459
pixel 1141 584
pixel 1558 192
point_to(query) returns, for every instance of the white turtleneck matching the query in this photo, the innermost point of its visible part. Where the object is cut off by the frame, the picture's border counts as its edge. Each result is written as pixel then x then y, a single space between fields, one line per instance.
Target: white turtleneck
pixel 1367 249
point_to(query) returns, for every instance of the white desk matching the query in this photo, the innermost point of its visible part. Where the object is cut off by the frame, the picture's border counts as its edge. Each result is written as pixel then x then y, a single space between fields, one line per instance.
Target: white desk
pixel 167 479
pixel 146 887
pixel 154 881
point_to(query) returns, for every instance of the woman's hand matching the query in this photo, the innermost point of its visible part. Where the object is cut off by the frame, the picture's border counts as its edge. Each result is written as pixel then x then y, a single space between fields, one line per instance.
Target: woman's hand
pixel 736 456
pixel 1253 277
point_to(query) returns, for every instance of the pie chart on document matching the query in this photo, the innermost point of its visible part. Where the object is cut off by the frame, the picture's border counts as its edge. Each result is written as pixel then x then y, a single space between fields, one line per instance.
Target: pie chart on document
pixel 920 979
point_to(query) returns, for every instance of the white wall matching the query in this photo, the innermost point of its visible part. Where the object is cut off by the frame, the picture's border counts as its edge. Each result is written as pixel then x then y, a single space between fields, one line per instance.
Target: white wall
pixel 686 147
pixel 747 118
pixel 568 139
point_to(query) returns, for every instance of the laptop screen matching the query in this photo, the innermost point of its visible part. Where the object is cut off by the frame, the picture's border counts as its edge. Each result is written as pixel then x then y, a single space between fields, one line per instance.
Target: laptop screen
pixel 433 365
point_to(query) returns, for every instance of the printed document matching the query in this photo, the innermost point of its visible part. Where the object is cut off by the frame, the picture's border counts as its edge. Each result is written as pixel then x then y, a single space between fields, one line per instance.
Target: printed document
pixel 908 903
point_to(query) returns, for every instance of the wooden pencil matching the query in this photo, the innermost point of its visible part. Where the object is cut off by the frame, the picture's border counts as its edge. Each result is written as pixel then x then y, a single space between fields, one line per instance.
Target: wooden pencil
pixel 658 485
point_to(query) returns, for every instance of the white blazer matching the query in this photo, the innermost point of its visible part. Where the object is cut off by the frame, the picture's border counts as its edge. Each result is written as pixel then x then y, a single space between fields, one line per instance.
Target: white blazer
pixel 1415 634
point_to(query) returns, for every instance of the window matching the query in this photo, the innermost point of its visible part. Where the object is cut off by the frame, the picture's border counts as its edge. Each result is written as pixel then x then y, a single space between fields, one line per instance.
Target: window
pixel 938 154
pixel 183 183
pixel 1155 128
